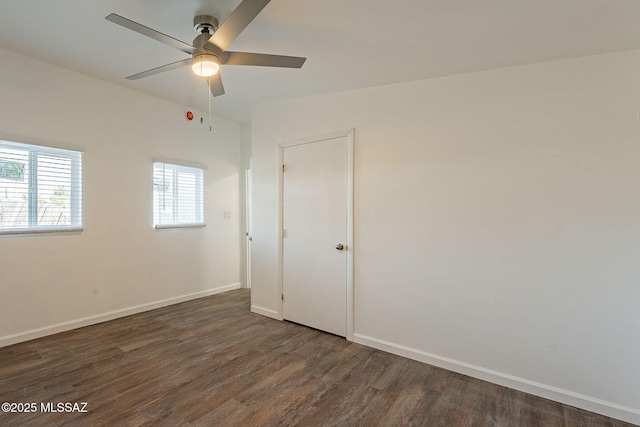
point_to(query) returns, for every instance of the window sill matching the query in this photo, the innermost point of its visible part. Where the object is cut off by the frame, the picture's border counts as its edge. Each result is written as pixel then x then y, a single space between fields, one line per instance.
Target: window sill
pixel 27 231
pixel 172 226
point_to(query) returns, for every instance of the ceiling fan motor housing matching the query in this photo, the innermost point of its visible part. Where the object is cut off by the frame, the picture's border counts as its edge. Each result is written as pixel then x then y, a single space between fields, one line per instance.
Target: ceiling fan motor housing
pixel 200 41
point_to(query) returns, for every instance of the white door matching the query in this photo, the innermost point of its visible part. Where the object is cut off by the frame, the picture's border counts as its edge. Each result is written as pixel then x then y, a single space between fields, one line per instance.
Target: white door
pixel 314 225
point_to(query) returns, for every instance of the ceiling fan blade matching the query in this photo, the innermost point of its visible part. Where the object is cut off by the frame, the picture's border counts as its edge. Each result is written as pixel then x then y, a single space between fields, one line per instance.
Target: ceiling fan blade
pixel 161 69
pixel 215 84
pixel 261 59
pixel 246 11
pixel 150 32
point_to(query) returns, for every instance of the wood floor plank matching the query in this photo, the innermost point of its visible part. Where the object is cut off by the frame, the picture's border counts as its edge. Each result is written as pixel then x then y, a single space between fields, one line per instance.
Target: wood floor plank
pixel 410 408
pixel 576 418
pixel 211 362
pixel 230 413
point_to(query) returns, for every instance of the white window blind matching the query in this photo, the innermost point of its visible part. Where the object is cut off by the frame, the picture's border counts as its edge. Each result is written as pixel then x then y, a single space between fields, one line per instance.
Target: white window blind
pixel 40 189
pixel 177 196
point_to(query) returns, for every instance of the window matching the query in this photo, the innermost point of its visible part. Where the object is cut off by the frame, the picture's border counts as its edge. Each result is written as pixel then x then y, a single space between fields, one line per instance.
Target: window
pixel 40 189
pixel 177 196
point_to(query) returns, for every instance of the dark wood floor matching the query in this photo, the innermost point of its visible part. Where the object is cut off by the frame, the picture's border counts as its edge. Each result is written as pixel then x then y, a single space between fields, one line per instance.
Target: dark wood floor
pixel 210 362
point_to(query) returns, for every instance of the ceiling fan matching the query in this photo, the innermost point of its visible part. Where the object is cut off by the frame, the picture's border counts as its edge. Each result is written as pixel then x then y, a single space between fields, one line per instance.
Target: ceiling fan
pixel 209 49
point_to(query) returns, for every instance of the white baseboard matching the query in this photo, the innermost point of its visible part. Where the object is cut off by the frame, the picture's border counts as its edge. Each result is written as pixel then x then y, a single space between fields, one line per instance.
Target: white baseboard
pixel 92 320
pixel 567 397
pixel 265 312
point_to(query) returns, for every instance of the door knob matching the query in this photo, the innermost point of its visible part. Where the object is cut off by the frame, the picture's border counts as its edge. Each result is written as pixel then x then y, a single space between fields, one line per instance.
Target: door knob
pixel 340 247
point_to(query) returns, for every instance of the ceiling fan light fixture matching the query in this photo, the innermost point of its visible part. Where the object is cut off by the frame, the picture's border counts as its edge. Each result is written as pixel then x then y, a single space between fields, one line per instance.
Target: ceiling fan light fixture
pixel 205 65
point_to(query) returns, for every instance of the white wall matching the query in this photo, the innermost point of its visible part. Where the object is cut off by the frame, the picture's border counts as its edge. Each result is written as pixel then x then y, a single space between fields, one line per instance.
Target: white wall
pixel 119 264
pixel 497 222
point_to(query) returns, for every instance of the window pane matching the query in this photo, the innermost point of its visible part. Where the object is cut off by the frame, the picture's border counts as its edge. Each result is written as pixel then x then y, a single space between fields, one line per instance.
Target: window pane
pixel 54 190
pixel 14 188
pixel 163 195
pixel 187 212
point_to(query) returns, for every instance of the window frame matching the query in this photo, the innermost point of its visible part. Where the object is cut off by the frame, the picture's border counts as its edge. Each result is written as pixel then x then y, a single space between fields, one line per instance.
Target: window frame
pixel 180 167
pixel 76 182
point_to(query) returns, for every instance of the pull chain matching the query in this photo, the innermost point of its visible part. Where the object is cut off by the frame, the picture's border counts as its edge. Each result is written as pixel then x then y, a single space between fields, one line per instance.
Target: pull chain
pixel 209 91
pixel 201 111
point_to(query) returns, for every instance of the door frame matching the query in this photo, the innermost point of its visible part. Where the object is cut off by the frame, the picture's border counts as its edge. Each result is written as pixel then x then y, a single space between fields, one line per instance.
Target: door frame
pixel 349 134
pixel 247 223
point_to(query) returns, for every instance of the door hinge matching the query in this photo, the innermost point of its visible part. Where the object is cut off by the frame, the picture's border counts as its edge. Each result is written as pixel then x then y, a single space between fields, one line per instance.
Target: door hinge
pixel 282 297
pixel 283 168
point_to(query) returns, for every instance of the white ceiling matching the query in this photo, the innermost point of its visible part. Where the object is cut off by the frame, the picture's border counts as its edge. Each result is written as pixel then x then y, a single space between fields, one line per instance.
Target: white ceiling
pixel 349 43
